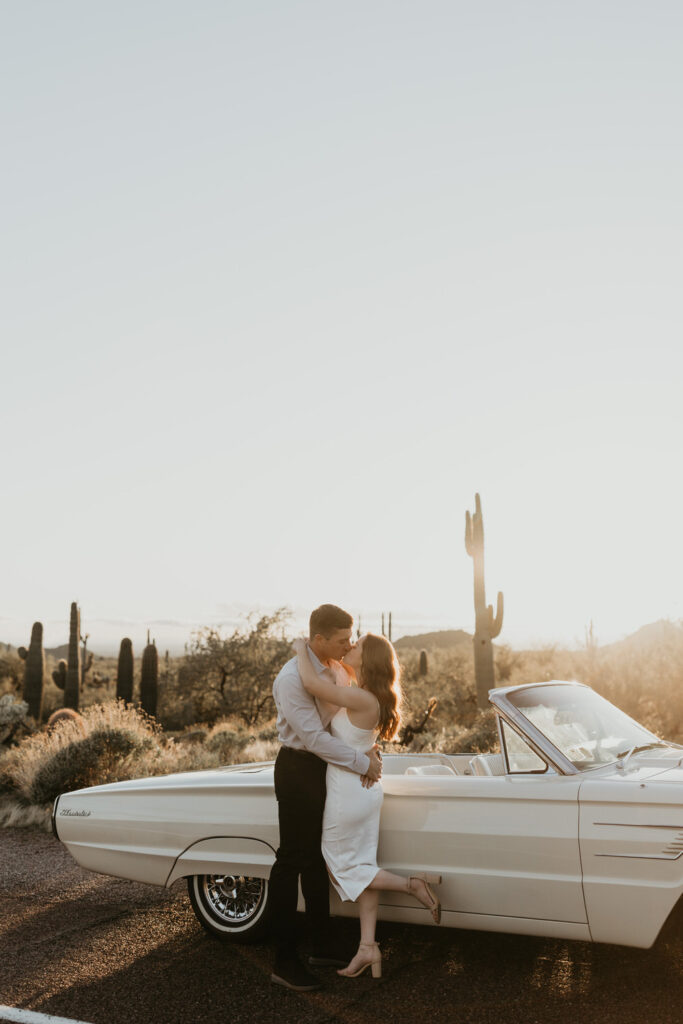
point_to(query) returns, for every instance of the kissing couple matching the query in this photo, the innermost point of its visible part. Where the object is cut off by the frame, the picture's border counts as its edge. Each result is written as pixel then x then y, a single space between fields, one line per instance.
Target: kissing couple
pixel 334 700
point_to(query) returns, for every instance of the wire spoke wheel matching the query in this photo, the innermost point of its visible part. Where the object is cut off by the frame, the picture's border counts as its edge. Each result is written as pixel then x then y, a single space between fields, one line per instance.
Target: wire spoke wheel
pixel 234 898
pixel 231 906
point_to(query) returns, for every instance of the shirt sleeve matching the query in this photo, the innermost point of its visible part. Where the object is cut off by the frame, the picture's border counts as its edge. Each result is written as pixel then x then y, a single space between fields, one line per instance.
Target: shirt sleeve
pixel 302 716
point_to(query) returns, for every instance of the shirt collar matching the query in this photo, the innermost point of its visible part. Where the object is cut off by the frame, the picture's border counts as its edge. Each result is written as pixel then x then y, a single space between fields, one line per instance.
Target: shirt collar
pixel 317 663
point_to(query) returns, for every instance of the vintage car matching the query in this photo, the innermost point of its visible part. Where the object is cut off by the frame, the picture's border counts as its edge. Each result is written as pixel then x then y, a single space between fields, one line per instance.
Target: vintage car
pixel 574 830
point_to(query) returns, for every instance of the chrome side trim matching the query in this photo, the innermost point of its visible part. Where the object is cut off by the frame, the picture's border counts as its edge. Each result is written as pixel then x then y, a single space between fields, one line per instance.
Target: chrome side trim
pixel 642 856
pixel 672 850
pixel 630 824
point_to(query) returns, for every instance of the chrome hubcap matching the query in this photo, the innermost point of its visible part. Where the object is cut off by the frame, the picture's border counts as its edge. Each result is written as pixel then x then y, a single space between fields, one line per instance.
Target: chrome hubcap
pixel 233 898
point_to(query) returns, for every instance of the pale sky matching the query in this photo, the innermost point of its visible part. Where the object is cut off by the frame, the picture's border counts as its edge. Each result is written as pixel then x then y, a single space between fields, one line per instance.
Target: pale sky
pixel 285 283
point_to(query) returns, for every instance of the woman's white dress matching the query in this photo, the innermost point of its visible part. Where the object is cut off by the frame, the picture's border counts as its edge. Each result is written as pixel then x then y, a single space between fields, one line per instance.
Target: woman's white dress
pixel 351 818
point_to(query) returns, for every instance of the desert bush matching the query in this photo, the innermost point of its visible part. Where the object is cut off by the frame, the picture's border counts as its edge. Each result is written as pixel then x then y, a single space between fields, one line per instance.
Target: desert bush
pixel 227 739
pixel 234 675
pixel 482 736
pixel 259 749
pixel 450 682
pixel 117 741
pixel 11 672
pixel 90 761
pixel 13 715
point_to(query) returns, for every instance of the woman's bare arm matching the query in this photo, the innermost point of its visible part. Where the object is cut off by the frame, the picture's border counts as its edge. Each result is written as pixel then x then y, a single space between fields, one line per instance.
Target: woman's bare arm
pixel 319 686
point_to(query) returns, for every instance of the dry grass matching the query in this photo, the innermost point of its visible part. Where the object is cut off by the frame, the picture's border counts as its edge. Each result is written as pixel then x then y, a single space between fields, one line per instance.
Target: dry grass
pixel 14 814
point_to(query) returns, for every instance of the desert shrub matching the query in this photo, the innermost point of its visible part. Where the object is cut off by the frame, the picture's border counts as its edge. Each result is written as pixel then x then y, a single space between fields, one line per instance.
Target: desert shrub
pixel 233 743
pixel 11 672
pixel 268 734
pixel 176 702
pixel 482 736
pixel 13 718
pixel 119 743
pixel 227 739
pixel 260 750
pixel 450 683
pixel 12 710
pixel 90 761
pixel 234 675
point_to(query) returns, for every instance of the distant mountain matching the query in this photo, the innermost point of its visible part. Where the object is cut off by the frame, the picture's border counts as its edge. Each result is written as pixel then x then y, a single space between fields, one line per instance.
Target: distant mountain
pixel 58 652
pixel 63 652
pixel 444 639
pixel 655 634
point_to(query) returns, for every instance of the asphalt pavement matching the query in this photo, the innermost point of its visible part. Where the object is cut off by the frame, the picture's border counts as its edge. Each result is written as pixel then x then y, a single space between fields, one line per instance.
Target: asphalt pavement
pixel 108 951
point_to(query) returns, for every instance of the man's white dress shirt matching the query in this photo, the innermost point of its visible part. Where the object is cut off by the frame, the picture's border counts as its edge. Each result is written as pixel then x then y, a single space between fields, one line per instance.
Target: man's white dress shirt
pixel 302 720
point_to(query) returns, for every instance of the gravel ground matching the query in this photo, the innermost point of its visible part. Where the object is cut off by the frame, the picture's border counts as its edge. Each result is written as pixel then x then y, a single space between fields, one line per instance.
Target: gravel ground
pixel 107 951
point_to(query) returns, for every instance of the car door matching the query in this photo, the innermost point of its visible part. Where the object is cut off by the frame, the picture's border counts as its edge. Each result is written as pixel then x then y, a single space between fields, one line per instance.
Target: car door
pixel 506 846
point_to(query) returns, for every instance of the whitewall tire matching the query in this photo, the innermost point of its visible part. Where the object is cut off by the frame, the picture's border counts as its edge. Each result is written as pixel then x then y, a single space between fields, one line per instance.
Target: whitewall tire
pixel 232 907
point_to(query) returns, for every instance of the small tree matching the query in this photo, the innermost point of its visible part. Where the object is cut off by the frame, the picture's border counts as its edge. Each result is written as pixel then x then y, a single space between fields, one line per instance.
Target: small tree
pixel 234 675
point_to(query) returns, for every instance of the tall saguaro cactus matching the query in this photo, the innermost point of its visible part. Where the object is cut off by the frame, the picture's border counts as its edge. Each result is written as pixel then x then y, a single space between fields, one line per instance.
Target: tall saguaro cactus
pixel 34 671
pixel 72 683
pixel 124 672
pixel 149 678
pixel 487 625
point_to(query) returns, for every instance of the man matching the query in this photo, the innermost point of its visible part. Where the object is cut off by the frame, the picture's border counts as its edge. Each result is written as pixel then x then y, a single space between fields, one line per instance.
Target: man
pixel 300 770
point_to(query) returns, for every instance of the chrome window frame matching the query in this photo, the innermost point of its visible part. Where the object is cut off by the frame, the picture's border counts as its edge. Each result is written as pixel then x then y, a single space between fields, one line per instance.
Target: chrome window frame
pixel 539 743
pixel 503 746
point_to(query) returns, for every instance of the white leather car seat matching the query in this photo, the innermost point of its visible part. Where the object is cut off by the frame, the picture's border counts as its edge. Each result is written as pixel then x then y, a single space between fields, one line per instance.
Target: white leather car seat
pixel 430 769
pixel 487 764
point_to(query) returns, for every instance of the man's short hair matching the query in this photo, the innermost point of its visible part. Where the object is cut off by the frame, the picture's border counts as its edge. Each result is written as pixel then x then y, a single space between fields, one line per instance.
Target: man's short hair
pixel 327 618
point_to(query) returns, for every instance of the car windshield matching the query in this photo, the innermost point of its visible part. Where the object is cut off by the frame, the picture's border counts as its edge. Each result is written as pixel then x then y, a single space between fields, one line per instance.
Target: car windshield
pixel 584 726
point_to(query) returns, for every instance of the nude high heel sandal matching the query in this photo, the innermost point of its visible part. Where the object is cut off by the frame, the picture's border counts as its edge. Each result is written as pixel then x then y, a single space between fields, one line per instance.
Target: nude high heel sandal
pixel 372 958
pixel 434 907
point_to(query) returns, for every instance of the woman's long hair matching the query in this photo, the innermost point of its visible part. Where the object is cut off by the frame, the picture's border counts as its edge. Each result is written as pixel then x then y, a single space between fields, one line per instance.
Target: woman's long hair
pixel 380 674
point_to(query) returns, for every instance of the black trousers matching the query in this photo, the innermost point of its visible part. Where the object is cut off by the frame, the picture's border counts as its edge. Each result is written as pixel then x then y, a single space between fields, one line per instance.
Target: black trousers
pixel 300 791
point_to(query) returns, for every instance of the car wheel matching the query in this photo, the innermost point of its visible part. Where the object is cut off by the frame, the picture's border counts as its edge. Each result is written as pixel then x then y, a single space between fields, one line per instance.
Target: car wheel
pixel 233 907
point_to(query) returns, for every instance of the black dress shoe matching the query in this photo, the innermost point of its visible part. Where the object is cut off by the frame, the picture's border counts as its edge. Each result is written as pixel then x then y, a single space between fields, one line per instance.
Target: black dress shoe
pixel 292 974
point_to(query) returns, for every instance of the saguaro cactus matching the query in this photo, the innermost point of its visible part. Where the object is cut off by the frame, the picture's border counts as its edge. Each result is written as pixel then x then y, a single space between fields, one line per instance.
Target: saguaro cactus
pixel 487 625
pixel 72 684
pixel 34 671
pixel 86 659
pixel 423 667
pixel 149 679
pixel 124 672
pixel 59 674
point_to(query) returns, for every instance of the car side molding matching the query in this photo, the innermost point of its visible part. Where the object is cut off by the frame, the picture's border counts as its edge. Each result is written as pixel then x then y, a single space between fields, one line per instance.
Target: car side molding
pixel 236 855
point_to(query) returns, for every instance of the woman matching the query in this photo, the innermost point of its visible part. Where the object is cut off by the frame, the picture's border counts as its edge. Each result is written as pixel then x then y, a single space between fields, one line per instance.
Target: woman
pixel 368 711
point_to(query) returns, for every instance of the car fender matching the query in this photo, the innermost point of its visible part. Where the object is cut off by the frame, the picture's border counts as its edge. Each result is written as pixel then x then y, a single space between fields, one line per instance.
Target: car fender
pixel 222 855
pixel 631 837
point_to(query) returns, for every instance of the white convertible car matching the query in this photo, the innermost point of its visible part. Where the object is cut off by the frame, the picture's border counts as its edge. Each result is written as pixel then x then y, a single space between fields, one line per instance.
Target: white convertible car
pixel 574 830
